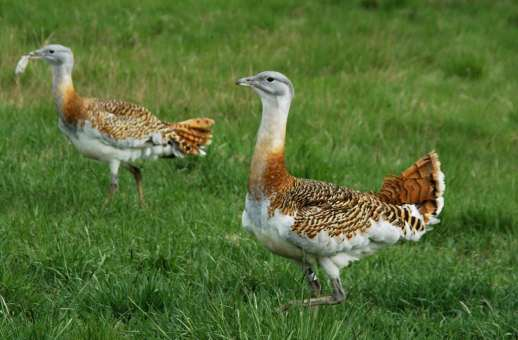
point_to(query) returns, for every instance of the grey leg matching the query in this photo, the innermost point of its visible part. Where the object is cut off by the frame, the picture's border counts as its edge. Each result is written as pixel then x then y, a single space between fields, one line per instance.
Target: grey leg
pixel 312 279
pixel 137 174
pixel 114 184
pixel 337 297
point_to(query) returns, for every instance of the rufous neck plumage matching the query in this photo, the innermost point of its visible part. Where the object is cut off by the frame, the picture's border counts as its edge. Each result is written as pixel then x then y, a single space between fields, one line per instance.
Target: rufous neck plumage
pixel 68 104
pixel 62 85
pixel 268 171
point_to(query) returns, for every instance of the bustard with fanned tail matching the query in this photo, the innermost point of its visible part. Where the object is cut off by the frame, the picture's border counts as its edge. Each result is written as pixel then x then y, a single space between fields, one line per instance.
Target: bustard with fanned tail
pixel 314 222
pixel 114 131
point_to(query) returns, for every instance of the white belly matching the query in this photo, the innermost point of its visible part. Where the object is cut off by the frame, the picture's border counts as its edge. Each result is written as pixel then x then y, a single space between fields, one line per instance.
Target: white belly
pixel 91 144
pixel 272 231
pixel 276 234
pixel 95 149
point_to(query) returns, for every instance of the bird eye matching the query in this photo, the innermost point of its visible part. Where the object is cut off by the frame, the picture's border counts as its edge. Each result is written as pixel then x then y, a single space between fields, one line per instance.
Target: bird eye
pixel 51 51
pixel 270 79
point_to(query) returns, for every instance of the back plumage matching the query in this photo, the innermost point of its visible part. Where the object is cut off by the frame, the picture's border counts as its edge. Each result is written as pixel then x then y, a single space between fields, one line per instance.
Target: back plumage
pixel 131 125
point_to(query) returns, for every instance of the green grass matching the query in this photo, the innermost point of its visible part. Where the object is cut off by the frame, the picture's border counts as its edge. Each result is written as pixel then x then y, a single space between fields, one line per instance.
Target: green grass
pixel 378 84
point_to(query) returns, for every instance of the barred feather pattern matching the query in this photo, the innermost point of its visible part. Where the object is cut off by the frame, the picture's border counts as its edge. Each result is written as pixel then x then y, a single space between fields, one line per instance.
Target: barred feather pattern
pixel 191 135
pixel 421 184
pixel 319 206
pixel 120 120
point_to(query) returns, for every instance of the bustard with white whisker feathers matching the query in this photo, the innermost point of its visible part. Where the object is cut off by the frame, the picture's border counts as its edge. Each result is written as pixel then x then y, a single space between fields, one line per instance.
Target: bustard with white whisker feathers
pixel 313 222
pixel 113 131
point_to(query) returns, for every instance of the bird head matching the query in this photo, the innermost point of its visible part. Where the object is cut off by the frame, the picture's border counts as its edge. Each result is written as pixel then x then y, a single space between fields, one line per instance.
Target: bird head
pixel 270 86
pixel 55 55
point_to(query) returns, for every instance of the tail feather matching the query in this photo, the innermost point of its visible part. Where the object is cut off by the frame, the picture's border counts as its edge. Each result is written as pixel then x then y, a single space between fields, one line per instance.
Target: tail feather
pixel 422 184
pixel 191 136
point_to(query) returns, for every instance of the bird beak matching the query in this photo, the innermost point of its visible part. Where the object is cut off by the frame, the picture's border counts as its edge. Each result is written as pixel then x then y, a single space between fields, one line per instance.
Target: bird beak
pixel 247 81
pixel 37 54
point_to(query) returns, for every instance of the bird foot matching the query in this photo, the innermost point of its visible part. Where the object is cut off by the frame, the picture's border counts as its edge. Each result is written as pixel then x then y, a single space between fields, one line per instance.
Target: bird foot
pixel 107 202
pixel 313 302
pixel 111 193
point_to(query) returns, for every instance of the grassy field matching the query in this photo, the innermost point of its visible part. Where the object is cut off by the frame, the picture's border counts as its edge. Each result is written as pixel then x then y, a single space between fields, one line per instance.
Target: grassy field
pixel 378 84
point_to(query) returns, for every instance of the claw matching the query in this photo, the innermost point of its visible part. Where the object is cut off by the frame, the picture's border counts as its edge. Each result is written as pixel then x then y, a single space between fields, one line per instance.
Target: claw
pixel 336 298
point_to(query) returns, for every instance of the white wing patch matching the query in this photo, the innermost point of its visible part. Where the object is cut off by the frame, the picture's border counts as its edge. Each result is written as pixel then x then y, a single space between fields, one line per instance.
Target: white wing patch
pixel 342 250
pixel 410 234
pixel 276 233
pixel 94 144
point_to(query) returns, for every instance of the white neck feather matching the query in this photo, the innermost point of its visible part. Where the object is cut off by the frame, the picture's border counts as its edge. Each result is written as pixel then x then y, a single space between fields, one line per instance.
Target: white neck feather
pixel 272 131
pixel 270 140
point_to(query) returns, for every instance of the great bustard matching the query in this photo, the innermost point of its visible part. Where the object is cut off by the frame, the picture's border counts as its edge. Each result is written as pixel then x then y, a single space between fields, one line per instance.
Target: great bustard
pixel 114 131
pixel 315 222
